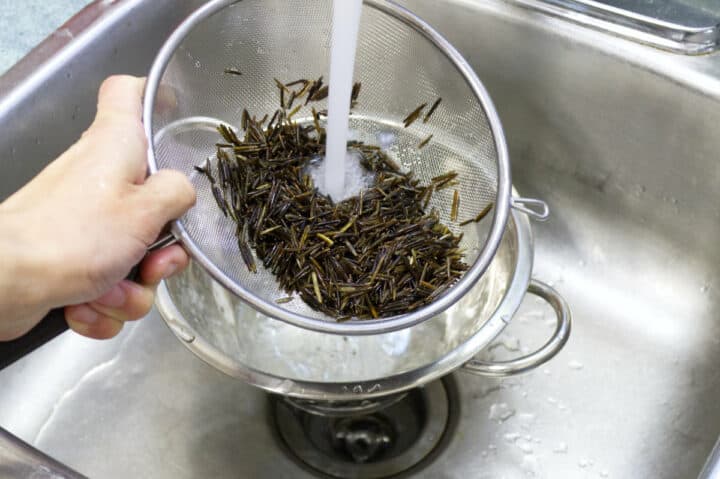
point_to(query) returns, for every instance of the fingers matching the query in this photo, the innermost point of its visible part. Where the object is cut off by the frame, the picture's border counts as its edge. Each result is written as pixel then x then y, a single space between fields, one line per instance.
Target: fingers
pixel 162 264
pixel 86 321
pixel 166 196
pixel 165 99
pixel 105 317
pixel 121 95
pixel 126 301
pixel 117 135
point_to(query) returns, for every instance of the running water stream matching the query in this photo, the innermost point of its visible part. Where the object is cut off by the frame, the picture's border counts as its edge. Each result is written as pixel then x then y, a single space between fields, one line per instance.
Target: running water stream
pixel 346 22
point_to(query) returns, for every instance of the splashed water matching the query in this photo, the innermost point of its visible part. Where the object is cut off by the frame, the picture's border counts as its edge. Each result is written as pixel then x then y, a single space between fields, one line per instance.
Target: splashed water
pixel 501 412
pixel 356 177
pixel 561 448
pixel 346 23
pixel 575 364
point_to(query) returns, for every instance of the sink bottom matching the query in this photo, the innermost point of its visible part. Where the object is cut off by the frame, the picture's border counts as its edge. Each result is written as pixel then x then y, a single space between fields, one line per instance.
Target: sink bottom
pixel 401 437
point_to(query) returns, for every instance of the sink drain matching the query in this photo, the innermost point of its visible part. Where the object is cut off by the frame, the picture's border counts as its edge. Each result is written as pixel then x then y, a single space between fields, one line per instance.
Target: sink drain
pixel 374 443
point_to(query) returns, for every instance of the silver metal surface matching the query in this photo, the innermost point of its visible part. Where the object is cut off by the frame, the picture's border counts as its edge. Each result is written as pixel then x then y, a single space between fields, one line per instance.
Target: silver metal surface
pixel 619 138
pixel 20 460
pixel 712 466
pixel 400 60
pixel 537 358
pixel 345 408
pixel 673 25
pixel 402 438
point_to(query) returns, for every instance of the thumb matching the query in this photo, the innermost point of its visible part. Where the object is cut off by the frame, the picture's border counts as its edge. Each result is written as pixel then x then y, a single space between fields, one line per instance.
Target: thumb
pixel 167 195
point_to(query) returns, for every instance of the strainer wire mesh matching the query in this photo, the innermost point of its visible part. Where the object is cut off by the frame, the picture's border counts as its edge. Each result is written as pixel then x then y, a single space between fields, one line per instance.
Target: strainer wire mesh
pixel 401 62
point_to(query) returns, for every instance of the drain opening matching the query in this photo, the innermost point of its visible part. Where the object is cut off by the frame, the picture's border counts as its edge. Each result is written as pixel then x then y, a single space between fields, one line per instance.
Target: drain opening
pixel 400 438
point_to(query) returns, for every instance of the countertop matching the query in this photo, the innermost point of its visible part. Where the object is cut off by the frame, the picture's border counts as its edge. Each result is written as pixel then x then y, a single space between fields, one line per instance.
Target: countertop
pixel 25 23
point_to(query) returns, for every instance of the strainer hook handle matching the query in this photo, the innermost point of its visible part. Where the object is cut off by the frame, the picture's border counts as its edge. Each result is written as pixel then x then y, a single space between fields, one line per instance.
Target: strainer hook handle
pixel 166 240
pixel 533 207
pixel 542 355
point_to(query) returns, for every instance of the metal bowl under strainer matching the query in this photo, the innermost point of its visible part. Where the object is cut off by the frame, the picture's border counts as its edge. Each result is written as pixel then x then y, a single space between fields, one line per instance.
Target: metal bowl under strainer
pixel 285 359
pixel 401 62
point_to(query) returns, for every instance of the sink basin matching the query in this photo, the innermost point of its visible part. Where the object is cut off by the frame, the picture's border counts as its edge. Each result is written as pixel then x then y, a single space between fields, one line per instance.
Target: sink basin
pixel 619 138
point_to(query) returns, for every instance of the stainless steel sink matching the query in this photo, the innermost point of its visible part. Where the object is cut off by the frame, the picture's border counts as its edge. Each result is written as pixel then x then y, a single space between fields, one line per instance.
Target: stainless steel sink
pixel 620 139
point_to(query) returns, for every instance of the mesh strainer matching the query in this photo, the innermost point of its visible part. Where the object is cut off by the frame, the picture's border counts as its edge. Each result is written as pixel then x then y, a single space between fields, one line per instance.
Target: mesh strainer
pixel 401 62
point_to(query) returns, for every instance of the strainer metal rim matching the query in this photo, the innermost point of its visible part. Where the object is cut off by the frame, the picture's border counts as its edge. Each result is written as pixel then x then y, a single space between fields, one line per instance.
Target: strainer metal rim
pixel 353 327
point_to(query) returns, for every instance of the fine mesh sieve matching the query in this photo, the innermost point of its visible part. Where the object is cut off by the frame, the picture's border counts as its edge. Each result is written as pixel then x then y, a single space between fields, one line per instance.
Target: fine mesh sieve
pixel 401 62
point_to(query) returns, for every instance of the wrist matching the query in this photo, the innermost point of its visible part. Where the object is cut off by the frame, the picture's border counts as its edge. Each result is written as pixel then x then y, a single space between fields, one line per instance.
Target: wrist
pixel 24 276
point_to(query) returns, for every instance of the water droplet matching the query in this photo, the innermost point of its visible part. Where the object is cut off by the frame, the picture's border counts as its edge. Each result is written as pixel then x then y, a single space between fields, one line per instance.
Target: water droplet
pixel 501 412
pixel 386 139
pixel 526 418
pixel 575 364
pixel 584 463
pixel 511 437
pixel 581 263
pixel 704 288
pixel 198 64
pixel 511 343
pixel 525 446
pixel 604 473
pixel 530 465
pixel 546 371
pixel 561 448
pixel 182 332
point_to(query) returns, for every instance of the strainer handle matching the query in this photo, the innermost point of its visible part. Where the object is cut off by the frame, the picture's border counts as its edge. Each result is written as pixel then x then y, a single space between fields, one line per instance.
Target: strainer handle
pixel 533 207
pixel 542 355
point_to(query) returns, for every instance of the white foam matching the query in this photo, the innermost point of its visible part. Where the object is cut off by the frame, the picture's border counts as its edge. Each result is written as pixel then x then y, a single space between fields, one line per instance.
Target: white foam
pixel 356 177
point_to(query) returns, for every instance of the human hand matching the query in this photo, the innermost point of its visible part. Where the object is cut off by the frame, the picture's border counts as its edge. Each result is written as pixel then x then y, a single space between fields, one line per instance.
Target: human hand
pixel 72 234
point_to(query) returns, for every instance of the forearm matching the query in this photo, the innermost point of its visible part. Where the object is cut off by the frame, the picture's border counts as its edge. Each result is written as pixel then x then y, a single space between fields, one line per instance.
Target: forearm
pixel 23 279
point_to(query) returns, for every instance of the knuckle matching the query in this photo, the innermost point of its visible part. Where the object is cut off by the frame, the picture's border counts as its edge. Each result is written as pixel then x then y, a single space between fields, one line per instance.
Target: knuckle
pixel 121 129
pixel 185 189
pixel 95 276
pixel 176 188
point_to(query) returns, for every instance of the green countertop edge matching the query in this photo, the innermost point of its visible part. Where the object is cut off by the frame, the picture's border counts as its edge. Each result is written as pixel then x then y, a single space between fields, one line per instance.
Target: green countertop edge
pixel 26 23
